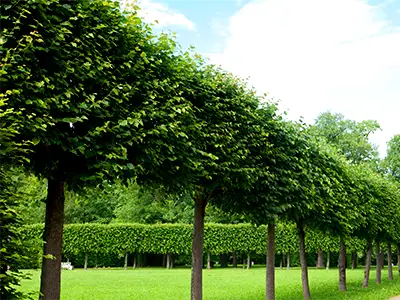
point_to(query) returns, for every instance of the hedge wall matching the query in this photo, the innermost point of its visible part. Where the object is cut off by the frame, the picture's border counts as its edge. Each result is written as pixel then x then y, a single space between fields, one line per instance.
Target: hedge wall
pixel 176 239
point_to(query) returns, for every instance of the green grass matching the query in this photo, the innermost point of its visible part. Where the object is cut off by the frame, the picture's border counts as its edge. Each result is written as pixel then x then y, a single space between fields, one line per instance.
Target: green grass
pixel 218 284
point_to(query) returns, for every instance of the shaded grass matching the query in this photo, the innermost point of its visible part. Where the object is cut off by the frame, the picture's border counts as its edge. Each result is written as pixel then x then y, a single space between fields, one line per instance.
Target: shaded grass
pixel 218 284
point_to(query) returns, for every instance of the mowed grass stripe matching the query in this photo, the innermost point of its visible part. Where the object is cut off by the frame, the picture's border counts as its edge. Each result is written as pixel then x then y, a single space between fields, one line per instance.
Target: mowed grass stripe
pixel 218 284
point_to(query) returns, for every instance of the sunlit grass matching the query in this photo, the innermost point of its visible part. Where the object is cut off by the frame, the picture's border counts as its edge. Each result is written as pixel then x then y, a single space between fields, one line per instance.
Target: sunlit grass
pixel 219 284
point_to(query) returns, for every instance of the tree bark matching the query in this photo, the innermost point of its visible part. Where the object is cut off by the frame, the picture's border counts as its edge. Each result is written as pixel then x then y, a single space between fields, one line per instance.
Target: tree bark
pixel 303 262
pixel 168 266
pixel 50 280
pixel 320 259
pixel 288 261
pixel 328 259
pixel 208 260
pixel 389 255
pixel 342 265
pixel 126 261
pixel 164 261
pixel 271 263
pixel 378 263
pixel 398 257
pixel 234 259
pixel 197 248
pixel 134 261
pixel 86 262
pixel 354 260
pixel 223 260
pixel 367 264
pixel 248 260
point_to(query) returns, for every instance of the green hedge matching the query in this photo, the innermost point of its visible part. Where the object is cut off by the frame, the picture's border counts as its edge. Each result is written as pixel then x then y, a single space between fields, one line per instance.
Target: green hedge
pixel 176 239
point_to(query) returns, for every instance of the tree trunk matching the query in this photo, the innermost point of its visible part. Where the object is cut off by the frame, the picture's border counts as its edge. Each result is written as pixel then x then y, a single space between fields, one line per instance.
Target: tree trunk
pixel 389 255
pixel 271 263
pixel 134 261
pixel 50 279
pixel 303 262
pixel 288 261
pixel 197 248
pixel 342 265
pixel 354 260
pixel 248 260
pixel 223 260
pixel 378 263
pixel 328 259
pixel 208 260
pixel 234 259
pixel 367 264
pixel 126 260
pixel 281 263
pixel 86 262
pixel 320 259
pixel 244 261
pixel 168 266
pixel 164 261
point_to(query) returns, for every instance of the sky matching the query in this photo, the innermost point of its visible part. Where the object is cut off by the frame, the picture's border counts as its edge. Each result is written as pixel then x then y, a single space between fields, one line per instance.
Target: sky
pixel 311 55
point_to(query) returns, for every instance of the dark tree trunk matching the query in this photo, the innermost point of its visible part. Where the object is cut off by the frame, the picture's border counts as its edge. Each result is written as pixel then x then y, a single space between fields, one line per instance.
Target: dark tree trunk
pixel 389 255
pixel 271 262
pixel 367 264
pixel 303 262
pixel 126 261
pixel 50 279
pixel 342 265
pixel 234 259
pixel 223 260
pixel 328 260
pixel 378 263
pixel 164 261
pixel 197 249
pixel 288 261
pixel 86 262
pixel 354 260
pixel 208 260
pixel 248 260
pixel 320 259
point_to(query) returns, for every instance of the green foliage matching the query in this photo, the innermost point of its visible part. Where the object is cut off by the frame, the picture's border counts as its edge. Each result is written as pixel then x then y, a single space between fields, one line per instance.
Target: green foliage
pixel 392 159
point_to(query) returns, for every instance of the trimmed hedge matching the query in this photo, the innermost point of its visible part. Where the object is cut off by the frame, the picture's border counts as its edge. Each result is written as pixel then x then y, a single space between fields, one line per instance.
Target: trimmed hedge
pixel 177 239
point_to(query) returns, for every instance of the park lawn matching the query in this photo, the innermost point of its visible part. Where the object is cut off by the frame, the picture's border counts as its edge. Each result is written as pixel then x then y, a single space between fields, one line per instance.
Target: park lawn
pixel 218 284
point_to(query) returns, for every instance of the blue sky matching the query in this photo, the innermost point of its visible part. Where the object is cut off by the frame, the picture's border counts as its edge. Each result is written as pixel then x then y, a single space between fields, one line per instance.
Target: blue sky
pixel 311 55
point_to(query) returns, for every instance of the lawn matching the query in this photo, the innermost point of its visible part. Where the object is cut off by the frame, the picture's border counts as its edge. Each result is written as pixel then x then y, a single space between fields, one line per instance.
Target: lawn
pixel 219 284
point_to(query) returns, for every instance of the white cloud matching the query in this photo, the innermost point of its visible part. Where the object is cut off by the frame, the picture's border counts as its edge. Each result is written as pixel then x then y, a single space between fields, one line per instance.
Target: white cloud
pixel 162 15
pixel 317 55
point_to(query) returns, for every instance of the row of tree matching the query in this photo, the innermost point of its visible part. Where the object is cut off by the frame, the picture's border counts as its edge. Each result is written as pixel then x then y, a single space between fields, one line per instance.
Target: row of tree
pixel 95 97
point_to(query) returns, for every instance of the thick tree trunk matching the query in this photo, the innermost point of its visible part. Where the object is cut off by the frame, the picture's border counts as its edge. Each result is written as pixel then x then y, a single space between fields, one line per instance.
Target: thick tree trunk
pixel 234 259
pixel 126 261
pixel 378 263
pixel 367 264
pixel 288 261
pixel 197 249
pixel 86 262
pixel 303 262
pixel 354 260
pixel 50 280
pixel 328 259
pixel 342 265
pixel 248 260
pixel 389 255
pixel 271 263
pixel 208 260
pixel 320 259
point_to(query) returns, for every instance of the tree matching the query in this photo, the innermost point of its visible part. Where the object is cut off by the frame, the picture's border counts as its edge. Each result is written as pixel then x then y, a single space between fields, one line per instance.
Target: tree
pixel 392 159
pixel 350 137
pixel 99 97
